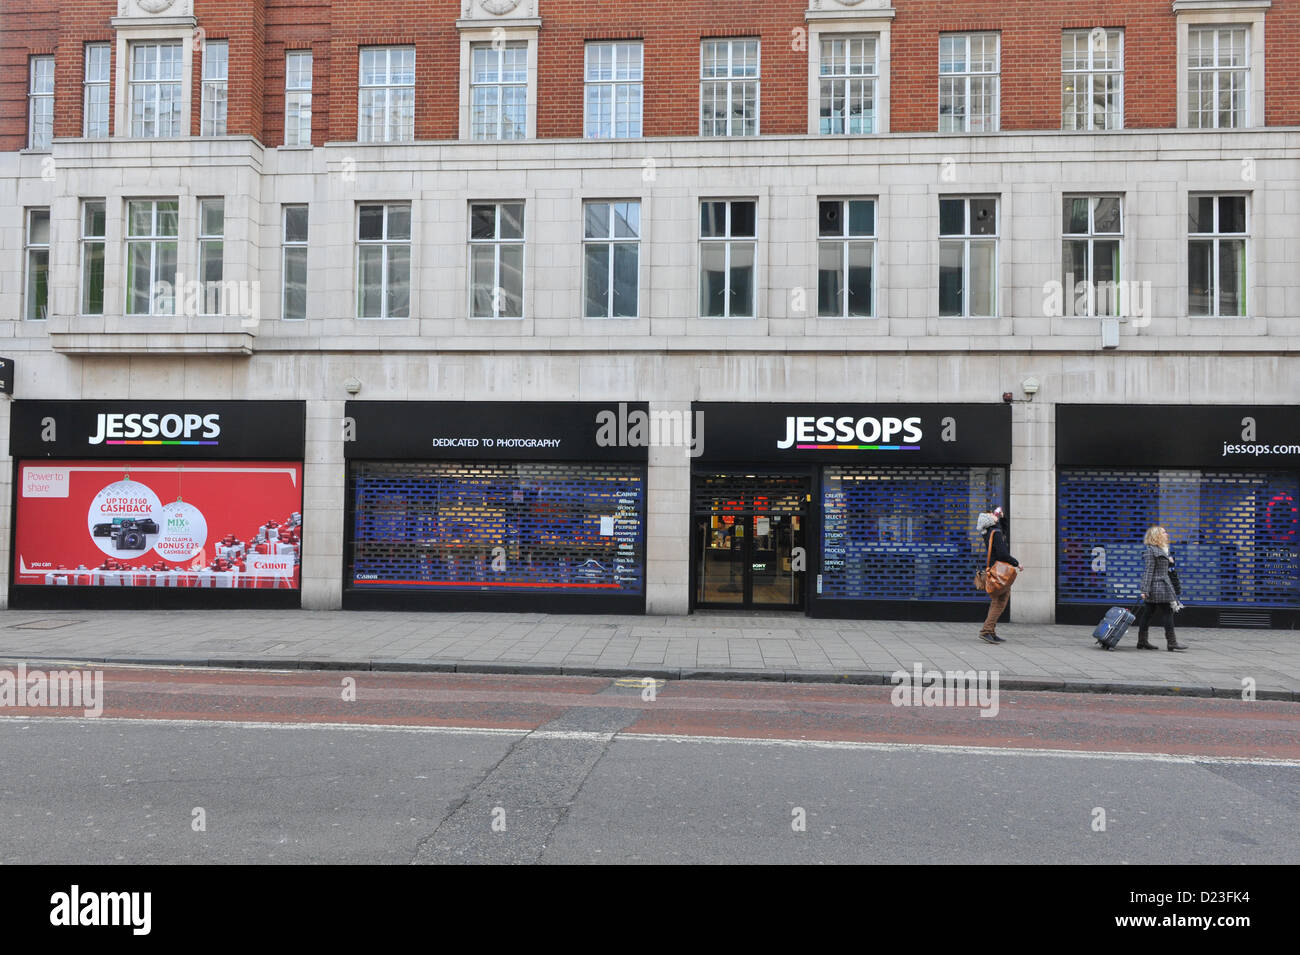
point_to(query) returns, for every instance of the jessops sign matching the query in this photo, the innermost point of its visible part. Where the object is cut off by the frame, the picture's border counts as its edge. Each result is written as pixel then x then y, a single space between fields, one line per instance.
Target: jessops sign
pixel 172 429
pixel 1195 436
pixel 855 433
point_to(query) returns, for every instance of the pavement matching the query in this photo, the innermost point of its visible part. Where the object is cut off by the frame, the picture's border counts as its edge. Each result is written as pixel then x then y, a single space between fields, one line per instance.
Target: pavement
pixel 783 647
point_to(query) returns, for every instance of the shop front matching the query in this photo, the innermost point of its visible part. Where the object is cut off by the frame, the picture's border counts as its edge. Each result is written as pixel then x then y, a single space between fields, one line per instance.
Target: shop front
pixel 844 510
pixel 495 506
pixel 1224 481
pixel 139 504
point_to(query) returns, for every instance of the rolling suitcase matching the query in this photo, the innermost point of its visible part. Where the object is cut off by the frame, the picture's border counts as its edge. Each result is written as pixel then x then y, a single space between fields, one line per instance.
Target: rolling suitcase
pixel 1112 628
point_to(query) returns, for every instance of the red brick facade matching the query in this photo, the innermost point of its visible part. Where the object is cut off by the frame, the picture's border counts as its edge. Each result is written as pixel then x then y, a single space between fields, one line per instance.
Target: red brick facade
pixel 261 31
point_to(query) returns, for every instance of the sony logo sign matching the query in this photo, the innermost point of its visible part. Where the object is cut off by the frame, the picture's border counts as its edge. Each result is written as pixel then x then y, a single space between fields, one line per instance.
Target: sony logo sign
pixel 847 429
pixel 153 426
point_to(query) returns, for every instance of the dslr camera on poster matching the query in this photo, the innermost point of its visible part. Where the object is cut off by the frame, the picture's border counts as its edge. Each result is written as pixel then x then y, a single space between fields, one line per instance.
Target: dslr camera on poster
pixel 130 534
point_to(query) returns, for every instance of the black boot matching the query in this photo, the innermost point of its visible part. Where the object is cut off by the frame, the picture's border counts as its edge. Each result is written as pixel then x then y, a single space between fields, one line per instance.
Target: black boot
pixel 1173 643
pixel 1145 644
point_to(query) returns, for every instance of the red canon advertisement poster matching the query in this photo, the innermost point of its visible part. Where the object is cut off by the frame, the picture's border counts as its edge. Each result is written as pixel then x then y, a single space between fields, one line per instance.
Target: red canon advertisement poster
pixel 219 524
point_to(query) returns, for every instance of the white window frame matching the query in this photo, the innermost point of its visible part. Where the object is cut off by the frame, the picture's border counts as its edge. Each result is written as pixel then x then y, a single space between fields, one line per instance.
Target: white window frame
pixel 968 239
pixel 31 248
pixel 288 245
pixel 729 242
pixel 733 83
pixel 609 242
pixel 497 130
pixel 1216 239
pixel 215 98
pixel 40 102
pixel 181 82
pixel 154 239
pixel 1090 75
pixel 393 131
pixel 1223 13
pixel 964 78
pixel 123 58
pixel 497 243
pixel 89 239
pixel 626 90
pixel 387 244
pixel 847 81
pixel 298 92
pixel 1217 73
pixel 92 84
pixel 211 291
pixel 1091 237
pixel 844 241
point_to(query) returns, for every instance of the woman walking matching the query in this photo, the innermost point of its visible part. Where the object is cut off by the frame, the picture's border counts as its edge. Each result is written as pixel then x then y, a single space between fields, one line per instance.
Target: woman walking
pixel 1158 592
pixel 995 549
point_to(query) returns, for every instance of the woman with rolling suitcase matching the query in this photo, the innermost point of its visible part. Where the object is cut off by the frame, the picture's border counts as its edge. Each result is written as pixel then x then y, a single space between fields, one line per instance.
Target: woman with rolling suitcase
pixel 1158 591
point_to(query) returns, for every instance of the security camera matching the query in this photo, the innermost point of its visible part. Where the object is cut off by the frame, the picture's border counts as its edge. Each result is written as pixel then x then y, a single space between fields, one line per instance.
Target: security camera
pixel 1008 397
pixel 1030 386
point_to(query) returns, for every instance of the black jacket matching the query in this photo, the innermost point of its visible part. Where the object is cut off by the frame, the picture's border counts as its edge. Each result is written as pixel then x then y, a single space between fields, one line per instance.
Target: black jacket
pixel 1000 550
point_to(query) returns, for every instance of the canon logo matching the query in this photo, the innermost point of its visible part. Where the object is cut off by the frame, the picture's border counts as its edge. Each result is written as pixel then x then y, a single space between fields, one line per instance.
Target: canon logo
pixel 147 427
pixel 849 430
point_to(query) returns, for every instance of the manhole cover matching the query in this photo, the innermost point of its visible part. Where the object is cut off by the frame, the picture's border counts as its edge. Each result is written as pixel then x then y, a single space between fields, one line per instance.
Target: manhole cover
pixel 52 624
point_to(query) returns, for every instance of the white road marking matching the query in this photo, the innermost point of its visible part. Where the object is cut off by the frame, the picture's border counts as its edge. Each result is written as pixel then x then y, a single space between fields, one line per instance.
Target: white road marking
pixel 594 737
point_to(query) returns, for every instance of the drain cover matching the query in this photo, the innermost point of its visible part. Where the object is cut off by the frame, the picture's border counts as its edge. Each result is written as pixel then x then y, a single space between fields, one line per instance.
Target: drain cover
pixel 49 624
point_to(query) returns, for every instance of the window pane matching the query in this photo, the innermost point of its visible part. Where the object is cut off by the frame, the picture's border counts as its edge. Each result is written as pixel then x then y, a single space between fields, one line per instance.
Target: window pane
pixel 713 278
pixel 597 220
pixel 860 274
pixel 138 279
pixel 625 280
pixel 743 216
pixel 483 221
pixel 597 288
pixel 1200 255
pixel 295 224
pixel 952 216
pixel 139 218
pixel 862 217
pixel 950 277
pixel 166 275
pixel 713 219
pixel 295 283
pixel 1105 261
pixel 94 219
pixel 742 278
pixel 482 275
pixel 212 217
pixel 830 279
pixel 168 218
pixel 983 217
pixel 1106 220
pixel 38 283
pixel 370 278
pixel 399 222
pixel 1232 277
pixel 1200 214
pixel 399 281
pixel 512 220
pixel 512 281
pixel 1232 213
pixel 829 220
pixel 92 279
pixel 1074 263
pixel 627 220
pixel 1076 215
pixel 983 279
pixel 370 226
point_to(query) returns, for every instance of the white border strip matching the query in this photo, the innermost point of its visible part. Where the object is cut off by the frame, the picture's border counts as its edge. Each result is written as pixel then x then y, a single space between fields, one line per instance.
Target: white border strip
pixel 602 738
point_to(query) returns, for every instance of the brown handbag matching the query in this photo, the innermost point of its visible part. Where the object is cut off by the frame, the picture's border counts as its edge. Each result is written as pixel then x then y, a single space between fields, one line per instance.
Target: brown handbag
pixel 998 575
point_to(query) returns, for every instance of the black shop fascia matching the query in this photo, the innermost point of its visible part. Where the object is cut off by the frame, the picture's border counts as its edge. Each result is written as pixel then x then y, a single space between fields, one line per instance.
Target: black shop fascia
pixel 524 506
pixel 844 510
pixel 1224 482
pixel 157 504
